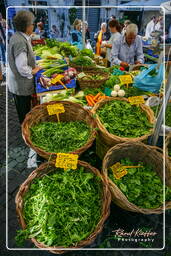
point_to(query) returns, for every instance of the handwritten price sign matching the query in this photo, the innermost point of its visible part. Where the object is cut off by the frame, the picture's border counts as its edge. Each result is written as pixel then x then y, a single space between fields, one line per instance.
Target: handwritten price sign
pixel 55 109
pixel 66 161
pixel 126 79
pixel 136 100
pixel 118 170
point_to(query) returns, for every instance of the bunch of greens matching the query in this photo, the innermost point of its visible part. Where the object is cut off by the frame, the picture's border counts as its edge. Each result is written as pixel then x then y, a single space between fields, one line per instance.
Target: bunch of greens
pixel 141 186
pixel 83 61
pixel 167 113
pixel 92 91
pixel 66 49
pixel 124 120
pixel 50 42
pixel 62 208
pixel 60 136
pixel 112 81
pixel 133 91
pixel 87 52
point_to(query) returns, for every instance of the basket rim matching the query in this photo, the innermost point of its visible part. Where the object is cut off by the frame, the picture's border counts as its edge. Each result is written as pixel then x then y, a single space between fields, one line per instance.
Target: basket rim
pixel 158 210
pixel 28 141
pixel 105 206
pixel 112 136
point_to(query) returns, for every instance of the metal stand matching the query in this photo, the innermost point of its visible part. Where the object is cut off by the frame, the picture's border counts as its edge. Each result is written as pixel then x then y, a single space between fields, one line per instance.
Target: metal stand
pixel 162 111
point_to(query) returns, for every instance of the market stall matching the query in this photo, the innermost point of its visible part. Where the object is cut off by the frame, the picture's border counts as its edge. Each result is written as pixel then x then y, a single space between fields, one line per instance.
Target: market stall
pixel 84 107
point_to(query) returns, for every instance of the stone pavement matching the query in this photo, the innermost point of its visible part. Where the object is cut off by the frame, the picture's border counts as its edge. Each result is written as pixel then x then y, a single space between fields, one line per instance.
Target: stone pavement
pixel 17 173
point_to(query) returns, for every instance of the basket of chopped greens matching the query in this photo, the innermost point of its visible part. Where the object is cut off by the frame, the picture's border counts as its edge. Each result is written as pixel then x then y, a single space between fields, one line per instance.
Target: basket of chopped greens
pixel 83 63
pixel 72 131
pixel 92 79
pixel 60 209
pixel 119 121
pixel 135 175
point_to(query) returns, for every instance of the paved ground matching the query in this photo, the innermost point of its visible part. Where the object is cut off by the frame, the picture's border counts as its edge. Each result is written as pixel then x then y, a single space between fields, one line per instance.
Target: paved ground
pixel 17 172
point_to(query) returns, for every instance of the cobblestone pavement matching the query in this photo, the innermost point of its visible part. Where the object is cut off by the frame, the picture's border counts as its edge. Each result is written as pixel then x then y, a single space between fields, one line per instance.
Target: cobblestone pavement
pixel 17 173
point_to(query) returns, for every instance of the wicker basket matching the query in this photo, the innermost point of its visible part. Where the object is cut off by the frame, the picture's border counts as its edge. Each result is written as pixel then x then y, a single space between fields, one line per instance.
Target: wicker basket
pixel 135 151
pixel 73 112
pixel 89 83
pixel 43 170
pixel 111 139
pixel 167 145
pixel 84 68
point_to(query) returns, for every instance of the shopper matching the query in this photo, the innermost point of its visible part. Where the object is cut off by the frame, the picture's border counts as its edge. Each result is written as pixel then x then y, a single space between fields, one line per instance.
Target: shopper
pixel 128 48
pixel 2 39
pixel 115 30
pixel 54 33
pixel 40 30
pixel 22 65
pixel 150 27
pixel 159 24
pixel 126 23
pixel 76 35
pixel 100 36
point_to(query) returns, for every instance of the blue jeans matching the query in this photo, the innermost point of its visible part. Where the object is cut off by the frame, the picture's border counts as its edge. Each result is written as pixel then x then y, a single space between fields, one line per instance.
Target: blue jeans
pixel 2 53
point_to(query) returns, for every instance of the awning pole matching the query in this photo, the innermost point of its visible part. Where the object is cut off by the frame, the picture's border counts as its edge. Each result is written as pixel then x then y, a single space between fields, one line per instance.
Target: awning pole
pixel 83 27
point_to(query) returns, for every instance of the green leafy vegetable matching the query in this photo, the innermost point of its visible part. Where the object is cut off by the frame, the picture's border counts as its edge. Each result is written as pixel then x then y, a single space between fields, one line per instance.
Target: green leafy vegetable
pixel 83 61
pixel 62 208
pixel 142 186
pixel 124 120
pixel 112 81
pixel 156 110
pixel 60 136
pixel 87 52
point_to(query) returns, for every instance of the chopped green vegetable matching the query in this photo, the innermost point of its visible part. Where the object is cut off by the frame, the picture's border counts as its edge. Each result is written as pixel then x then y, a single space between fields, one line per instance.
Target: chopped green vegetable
pixel 62 208
pixel 123 119
pixel 142 186
pixel 60 136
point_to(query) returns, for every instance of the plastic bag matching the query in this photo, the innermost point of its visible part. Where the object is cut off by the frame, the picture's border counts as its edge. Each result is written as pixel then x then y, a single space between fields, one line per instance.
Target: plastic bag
pixel 146 82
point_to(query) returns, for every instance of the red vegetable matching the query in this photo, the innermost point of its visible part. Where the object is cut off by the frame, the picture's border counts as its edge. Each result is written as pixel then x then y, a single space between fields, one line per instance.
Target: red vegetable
pixel 122 69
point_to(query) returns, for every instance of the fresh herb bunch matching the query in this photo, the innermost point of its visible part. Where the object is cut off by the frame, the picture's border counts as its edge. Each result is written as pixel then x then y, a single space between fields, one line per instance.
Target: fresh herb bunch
pixel 66 49
pixel 124 120
pixel 112 81
pixel 133 91
pixel 61 137
pixel 141 186
pixel 83 61
pixel 62 208
pixel 87 52
pixel 92 91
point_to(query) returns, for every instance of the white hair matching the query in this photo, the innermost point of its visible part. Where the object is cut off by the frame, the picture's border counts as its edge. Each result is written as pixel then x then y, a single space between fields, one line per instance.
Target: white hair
pixel 103 24
pixel 132 28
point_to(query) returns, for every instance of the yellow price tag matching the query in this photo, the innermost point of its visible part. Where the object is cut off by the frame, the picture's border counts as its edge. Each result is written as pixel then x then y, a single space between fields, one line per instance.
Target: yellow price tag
pixel 55 109
pixel 118 170
pixel 126 79
pixel 57 79
pixel 66 161
pixel 136 100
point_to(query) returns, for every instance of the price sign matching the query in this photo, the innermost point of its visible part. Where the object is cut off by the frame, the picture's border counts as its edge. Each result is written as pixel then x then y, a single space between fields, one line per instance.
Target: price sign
pixel 55 109
pixel 66 161
pixel 136 100
pixel 57 79
pixel 118 170
pixel 126 79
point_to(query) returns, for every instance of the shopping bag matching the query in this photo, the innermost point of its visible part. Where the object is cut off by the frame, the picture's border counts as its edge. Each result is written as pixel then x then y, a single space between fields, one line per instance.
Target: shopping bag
pixel 147 82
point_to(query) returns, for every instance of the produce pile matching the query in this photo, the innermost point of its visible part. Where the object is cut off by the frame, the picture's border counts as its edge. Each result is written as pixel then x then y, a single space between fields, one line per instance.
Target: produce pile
pixel 156 110
pixel 62 208
pixel 63 137
pixel 141 185
pixel 124 120
pixel 84 61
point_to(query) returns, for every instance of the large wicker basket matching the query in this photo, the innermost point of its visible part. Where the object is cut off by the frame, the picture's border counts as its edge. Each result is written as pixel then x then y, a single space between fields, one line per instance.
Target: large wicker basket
pixel 167 146
pixel 136 151
pixel 44 169
pixel 111 139
pixel 73 112
pixel 90 83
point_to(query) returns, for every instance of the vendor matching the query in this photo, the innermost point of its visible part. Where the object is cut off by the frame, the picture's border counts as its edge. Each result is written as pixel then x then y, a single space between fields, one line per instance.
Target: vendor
pixel 128 48
pixel 76 35
pixel 115 30
pixel 22 65
pixel 40 30
pixel 100 36
pixel 150 27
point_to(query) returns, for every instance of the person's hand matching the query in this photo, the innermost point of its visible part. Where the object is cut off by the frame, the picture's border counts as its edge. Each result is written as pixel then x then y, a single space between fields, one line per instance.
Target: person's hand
pixel 124 64
pixel 35 70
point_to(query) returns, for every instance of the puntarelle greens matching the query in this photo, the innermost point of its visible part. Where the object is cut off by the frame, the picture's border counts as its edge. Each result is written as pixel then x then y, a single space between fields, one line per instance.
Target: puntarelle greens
pixel 60 136
pixel 62 208
pixel 124 120
pixel 142 186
